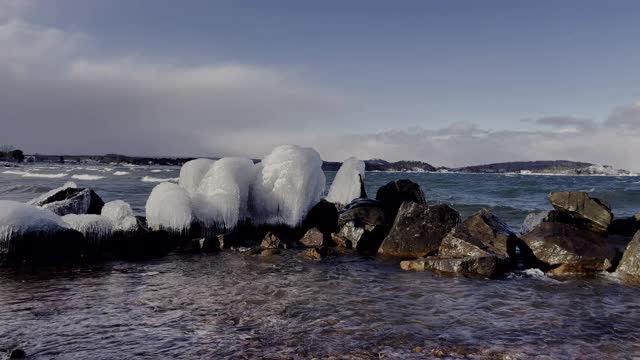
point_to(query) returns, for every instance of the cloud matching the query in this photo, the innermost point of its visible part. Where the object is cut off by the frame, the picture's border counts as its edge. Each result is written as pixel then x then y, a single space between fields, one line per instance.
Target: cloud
pixel 566 123
pixel 625 117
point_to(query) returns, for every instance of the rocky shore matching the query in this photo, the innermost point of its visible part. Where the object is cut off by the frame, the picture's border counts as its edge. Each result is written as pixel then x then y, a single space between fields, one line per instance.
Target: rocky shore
pixel 71 224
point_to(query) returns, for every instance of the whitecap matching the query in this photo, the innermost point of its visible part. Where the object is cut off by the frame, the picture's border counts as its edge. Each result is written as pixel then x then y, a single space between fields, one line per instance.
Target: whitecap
pixel 531 274
pixel 14 172
pixel 120 173
pixel 50 176
pixel 154 179
pixel 87 177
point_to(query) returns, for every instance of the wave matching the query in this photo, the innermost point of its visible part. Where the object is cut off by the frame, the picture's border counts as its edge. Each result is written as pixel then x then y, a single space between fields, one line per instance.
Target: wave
pixel 87 177
pixel 23 189
pixel 15 172
pixel 154 179
pixel 120 173
pixel 50 176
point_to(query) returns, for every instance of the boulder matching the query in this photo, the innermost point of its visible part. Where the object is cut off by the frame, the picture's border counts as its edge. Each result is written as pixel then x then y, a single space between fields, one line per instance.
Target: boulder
pixel 364 224
pixel 556 244
pixel 271 241
pixel 630 263
pixel 394 193
pixel 487 266
pixel 577 208
pixel 313 238
pixel 341 241
pixel 418 229
pixel 625 227
pixel 532 220
pixel 70 199
pixel 323 216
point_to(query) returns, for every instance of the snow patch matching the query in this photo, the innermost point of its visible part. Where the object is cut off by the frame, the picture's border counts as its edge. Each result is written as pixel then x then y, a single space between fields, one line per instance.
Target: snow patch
pixel 121 215
pixel 346 184
pixel 289 181
pixel 87 177
pixel 169 208
pixel 192 173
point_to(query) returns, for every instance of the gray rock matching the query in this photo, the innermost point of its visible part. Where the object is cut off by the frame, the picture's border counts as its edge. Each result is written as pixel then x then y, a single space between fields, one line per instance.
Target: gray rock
pixel 394 193
pixel 556 244
pixel 532 221
pixel 419 229
pixel 483 265
pixel 70 200
pixel 573 207
pixel 630 263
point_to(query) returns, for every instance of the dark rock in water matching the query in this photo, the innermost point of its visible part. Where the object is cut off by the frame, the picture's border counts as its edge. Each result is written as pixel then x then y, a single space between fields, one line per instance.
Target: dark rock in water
pixel 480 234
pixel 313 238
pixel 59 246
pixel 18 354
pixel 72 201
pixel 630 263
pixel 533 220
pixel 393 194
pixel 323 216
pixel 341 241
pixel 363 190
pixel 145 244
pixel 483 265
pixel 270 252
pixel 271 241
pixel 555 244
pixel 364 223
pixel 577 208
pixel 419 229
pixel 625 227
pixel 318 253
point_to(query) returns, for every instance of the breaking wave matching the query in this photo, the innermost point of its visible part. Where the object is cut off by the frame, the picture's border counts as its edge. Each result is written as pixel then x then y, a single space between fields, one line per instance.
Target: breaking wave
pixel 87 177
pixel 155 179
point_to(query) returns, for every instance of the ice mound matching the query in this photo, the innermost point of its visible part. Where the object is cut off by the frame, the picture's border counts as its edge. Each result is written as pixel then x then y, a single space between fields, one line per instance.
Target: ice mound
pixel 155 179
pixel 192 172
pixel 289 181
pixel 220 201
pixel 346 185
pixel 87 177
pixel 169 208
pixel 48 194
pixel 95 228
pixel 121 215
pixel 19 219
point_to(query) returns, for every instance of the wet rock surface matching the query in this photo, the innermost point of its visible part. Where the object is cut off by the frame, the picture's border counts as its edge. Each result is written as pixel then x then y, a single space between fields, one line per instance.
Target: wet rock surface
pixel 630 263
pixel 487 265
pixel 577 208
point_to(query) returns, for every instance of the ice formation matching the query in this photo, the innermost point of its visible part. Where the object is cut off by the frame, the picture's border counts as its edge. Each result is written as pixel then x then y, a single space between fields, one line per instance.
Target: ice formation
pixel 95 228
pixel 220 201
pixel 289 181
pixel 346 184
pixel 42 198
pixel 121 215
pixel 192 172
pixel 18 219
pixel 169 208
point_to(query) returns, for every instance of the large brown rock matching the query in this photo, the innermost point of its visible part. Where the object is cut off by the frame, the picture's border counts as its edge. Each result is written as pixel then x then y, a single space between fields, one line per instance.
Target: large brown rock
pixel 630 263
pixel 418 230
pixel 394 193
pixel 556 244
pixel 313 238
pixel 483 265
pixel 577 208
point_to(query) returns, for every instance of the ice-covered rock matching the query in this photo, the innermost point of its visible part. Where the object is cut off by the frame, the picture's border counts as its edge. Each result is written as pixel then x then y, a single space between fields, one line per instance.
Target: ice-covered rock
pixel 121 215
pixel 42 198
pixel 220 201
pixel 192 173
pixel 29 230
pixel 289 182
pixel 69 199
pixel 95 228
pixel 169 208
pixel 348 183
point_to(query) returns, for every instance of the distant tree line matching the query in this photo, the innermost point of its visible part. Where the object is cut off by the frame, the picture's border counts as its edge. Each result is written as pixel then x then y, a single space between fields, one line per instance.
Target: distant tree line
pixel 10 153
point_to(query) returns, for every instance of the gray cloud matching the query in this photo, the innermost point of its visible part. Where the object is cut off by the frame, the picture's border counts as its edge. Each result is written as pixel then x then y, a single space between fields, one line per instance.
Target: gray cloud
pixel 566 123
pixel 626 117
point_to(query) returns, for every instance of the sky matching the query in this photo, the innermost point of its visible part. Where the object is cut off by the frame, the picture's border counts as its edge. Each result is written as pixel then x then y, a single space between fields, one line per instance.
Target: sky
pixel 450 82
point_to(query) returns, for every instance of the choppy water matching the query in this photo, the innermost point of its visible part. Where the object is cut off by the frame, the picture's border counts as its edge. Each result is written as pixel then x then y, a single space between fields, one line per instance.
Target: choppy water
pixel 230 305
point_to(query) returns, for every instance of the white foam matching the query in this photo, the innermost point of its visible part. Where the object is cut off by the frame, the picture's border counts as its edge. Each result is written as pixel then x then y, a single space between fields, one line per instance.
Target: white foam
pixel 50 176
pixel 346 184
pixel 169 208
pixel 155 179
pixel 220 201
pixel 121 215
pixel 192 172
pixel 289 181
pixel 87 177
pixel 120 173
pixel 15 172
pixel 95 228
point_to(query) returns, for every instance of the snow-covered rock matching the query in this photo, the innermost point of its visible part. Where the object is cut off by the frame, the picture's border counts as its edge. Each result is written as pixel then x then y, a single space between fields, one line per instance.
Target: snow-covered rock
pixel 220 201
pixel 42 198
pixel 121 215
pixel 192 173
pixel 347 184
pixel 95 228
pixel 289 181
pixel 69 199
pixel 169 208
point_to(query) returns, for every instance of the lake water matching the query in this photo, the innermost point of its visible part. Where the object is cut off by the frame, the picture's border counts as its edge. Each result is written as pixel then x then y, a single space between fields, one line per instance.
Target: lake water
pixel 230 305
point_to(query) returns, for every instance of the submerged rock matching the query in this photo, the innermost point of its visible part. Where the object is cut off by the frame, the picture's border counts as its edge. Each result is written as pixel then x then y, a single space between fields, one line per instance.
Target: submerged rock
pixel 577 208
pixel 394 193
pixel 418 229
pixel 630 263
pixel 481 265
pixel 556 244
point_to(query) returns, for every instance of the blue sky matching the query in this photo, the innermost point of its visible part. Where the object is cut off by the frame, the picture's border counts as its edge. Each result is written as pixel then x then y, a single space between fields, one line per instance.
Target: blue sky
pixel 351 71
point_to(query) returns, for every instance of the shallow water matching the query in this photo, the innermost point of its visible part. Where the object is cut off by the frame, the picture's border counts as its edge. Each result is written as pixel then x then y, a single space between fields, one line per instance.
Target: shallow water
pixel 230 305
